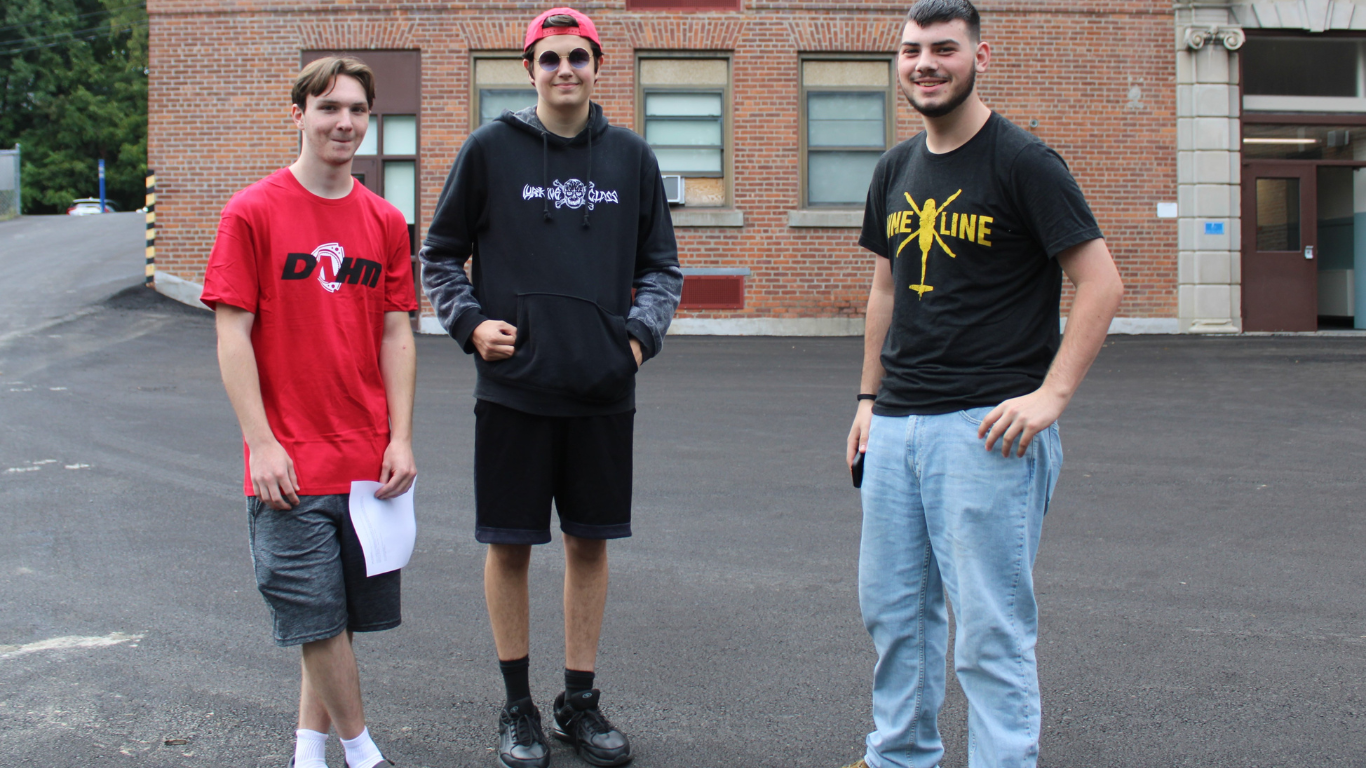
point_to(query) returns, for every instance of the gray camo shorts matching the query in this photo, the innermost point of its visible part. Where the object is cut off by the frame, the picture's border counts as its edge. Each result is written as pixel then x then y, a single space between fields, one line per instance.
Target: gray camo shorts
pixel 311 570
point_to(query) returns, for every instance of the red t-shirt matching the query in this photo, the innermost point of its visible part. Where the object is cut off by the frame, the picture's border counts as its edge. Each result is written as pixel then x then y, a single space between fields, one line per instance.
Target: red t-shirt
pixel 319 275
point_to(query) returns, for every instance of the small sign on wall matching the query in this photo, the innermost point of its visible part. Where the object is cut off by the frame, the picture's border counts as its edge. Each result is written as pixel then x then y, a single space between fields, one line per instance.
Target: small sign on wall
pixel 1166 210
pixel 1214 227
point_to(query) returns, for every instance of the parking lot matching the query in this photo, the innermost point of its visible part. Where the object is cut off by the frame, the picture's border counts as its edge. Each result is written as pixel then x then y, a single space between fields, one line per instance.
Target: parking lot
pixel 1202 580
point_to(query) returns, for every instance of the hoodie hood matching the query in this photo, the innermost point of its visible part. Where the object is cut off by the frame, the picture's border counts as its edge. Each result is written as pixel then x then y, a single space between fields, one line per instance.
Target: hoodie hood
pixel 526 120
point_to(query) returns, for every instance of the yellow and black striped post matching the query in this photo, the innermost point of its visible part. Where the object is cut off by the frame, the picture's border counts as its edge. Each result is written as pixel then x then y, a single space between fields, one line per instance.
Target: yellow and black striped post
pixel 151 228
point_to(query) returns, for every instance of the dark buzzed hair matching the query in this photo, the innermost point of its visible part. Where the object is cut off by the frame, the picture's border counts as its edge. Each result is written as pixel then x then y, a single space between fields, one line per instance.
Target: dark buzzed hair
pixel 927 12
pixel 317 79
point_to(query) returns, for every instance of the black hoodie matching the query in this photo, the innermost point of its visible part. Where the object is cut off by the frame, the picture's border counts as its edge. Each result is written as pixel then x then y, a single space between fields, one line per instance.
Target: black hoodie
pixel 560 230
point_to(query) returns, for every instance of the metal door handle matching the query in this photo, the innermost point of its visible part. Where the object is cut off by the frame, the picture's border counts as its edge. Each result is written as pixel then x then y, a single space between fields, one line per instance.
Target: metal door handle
pixel 1308 251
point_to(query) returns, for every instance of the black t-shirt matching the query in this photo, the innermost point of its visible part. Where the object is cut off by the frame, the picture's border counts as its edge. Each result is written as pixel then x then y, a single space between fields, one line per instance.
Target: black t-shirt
pixel 972 235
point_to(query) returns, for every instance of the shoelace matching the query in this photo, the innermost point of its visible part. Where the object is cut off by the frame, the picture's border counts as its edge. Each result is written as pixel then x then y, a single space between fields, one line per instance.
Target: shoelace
pixel 595 721
pixel 524 730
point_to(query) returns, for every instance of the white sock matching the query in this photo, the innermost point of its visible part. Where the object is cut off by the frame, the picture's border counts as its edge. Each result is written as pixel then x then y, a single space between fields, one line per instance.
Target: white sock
pixel 310 749
pixel 361 752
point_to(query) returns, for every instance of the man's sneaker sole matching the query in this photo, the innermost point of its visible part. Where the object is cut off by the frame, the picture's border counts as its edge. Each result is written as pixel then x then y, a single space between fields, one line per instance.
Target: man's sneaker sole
pixel 505 765
pixel 585 756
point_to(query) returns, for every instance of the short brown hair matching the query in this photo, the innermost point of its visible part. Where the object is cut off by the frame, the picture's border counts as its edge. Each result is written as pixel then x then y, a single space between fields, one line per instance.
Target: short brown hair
pixel 317 78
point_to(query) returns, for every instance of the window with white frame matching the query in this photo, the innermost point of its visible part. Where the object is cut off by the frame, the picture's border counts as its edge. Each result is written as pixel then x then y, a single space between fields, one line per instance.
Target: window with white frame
pixel 684 115
pixel 847 111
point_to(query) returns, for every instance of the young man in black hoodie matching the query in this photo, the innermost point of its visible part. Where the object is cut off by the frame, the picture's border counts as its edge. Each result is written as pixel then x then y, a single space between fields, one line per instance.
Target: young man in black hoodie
pixel 563 215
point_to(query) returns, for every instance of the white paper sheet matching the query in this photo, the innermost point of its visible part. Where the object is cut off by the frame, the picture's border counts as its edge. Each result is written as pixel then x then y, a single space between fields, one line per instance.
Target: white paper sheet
pixel 386 528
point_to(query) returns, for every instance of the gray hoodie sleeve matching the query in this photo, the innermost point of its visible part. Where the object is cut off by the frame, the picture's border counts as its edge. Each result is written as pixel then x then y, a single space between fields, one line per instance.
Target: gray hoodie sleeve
pixel 449 243
pixel 658 280
pixel 657 295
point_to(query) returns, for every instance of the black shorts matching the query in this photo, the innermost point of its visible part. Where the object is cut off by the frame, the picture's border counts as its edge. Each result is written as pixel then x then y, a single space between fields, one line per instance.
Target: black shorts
pixel 522 462
pixel 310 568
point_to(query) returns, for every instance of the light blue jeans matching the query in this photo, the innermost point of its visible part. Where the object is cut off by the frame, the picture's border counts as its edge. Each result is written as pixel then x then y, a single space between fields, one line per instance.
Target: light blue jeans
pixel 942 515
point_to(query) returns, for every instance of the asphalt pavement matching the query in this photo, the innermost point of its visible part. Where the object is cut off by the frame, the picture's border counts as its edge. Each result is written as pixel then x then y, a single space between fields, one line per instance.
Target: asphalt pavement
pixel 53 266
pixel 1202 581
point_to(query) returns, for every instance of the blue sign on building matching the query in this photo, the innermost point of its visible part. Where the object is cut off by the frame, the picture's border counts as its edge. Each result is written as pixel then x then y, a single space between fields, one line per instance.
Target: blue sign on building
pixel 1214 227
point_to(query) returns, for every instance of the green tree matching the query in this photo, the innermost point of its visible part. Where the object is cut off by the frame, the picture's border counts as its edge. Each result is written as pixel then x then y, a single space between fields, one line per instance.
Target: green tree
pixel 73 90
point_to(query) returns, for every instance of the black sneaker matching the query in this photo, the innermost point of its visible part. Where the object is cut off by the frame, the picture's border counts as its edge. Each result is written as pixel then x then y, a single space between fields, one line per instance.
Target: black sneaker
pixel 582 724
pixel 521 742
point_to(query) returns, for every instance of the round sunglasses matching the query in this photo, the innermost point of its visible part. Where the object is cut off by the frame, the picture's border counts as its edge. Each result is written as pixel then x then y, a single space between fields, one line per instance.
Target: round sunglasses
pixel 578 59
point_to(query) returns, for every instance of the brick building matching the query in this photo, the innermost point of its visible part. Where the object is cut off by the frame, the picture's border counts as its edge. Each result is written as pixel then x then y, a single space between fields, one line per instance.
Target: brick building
pixel 770 112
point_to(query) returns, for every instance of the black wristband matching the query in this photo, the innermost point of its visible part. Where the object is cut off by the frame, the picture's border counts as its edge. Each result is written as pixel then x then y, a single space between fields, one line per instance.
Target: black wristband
pixel 865 396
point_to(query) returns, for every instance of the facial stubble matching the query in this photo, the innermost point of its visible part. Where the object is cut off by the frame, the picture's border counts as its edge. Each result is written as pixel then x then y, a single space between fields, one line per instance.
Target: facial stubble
pixel 943 109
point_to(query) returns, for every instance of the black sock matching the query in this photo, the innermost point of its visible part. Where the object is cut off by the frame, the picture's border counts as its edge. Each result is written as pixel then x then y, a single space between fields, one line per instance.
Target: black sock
pixel 577 682
pixel 515 678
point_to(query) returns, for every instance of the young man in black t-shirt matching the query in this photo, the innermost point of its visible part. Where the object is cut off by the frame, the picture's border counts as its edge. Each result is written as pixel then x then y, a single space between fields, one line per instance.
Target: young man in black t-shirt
pixel 974 222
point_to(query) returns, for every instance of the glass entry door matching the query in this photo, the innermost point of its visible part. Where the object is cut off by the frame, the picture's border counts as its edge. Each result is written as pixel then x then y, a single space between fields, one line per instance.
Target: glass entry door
pixel 1279 269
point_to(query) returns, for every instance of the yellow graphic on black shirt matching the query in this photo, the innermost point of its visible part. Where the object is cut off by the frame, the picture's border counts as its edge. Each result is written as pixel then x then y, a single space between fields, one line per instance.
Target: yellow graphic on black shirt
pixel 932 218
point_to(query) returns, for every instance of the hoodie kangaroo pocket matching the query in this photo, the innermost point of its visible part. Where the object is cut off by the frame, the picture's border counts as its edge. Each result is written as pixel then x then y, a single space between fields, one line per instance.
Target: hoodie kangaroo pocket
pixel 569 346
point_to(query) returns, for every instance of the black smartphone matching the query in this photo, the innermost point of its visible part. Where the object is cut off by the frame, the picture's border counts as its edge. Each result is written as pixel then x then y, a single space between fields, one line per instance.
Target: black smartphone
pixel 857 470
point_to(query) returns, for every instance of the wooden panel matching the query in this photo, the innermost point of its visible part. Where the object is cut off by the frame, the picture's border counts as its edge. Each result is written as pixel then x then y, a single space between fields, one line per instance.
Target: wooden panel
pixel 398 77
pixel 366 169
pixel 704 192
pixel 498 71
pixel 874 74
pixel 713 292
pixel 684 72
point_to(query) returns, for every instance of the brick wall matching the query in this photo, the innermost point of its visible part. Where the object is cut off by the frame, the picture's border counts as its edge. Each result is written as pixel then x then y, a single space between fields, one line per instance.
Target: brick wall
pixel 1099 82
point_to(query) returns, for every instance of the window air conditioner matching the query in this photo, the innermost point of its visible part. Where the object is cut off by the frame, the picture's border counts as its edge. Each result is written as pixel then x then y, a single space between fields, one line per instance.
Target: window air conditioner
pixel 673 189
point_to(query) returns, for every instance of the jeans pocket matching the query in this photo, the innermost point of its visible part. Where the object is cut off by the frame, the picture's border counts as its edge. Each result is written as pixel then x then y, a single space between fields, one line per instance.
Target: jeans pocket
pixel 974 416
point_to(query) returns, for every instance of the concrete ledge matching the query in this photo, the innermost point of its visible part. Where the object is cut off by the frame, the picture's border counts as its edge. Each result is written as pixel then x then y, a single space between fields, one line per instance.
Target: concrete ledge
pixel 181 290
pixel 1137 325
pixel 776 326
pixel 707 217
pixel 1345 333
pixel 819 218
pixel 1210 326
pixel 429 324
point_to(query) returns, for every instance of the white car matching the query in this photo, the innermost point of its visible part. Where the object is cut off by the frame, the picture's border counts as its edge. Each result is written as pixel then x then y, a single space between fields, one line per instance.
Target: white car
pixel 88 206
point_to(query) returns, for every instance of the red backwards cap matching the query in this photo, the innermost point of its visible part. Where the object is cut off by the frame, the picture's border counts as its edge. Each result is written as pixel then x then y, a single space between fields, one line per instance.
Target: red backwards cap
pixel 585 27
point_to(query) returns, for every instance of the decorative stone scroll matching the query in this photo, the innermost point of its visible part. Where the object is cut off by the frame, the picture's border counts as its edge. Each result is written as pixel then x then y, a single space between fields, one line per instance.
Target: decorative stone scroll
pixel 1197 37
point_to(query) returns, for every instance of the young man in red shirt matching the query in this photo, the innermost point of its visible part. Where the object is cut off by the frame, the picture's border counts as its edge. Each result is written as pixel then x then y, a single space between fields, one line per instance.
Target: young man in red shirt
pixel 311 283
pixel 564 216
